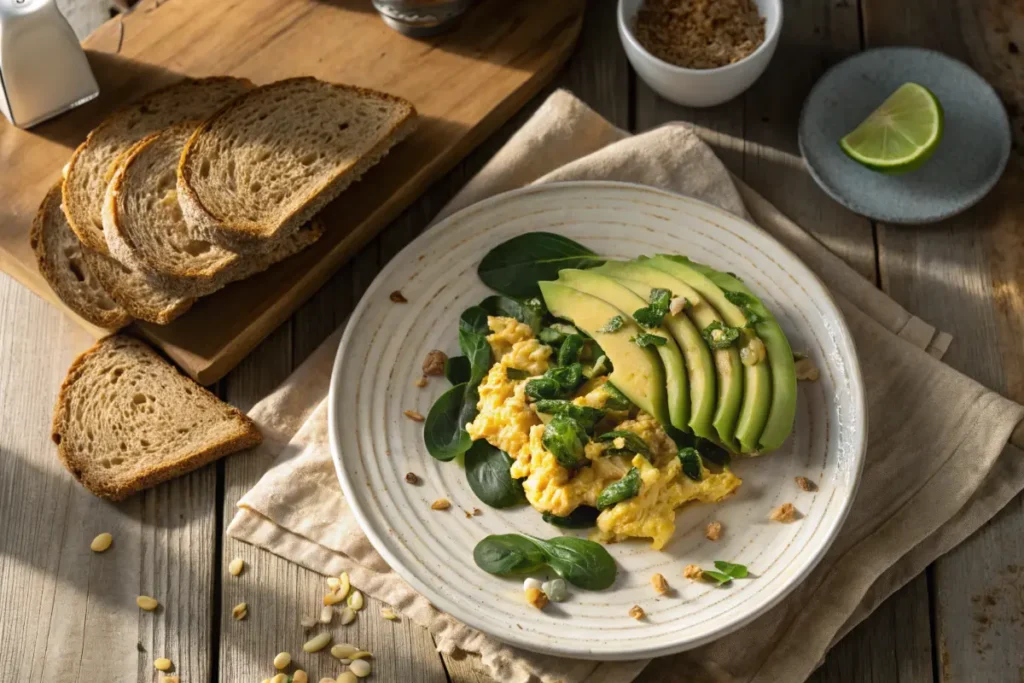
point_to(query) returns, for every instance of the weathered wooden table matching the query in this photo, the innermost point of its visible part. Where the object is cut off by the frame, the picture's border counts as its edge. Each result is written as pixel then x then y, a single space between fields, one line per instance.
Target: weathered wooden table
pixel 65 615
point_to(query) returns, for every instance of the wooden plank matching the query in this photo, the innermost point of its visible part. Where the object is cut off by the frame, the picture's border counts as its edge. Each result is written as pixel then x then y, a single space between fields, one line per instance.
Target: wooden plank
pixel 498 58
pixel 70 614
pixel 963 275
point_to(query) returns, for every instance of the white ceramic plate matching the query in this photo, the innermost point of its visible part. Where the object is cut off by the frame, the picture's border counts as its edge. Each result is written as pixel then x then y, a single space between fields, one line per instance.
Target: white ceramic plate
pixel 375 445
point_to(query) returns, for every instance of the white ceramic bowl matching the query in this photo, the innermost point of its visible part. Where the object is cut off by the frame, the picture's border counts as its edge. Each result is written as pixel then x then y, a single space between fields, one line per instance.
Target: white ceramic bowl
pixel 700 87
pixel 374 444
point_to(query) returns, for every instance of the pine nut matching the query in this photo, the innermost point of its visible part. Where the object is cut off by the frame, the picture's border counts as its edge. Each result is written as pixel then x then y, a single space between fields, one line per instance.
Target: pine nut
pixel 388 614
pixel 146 603
pixel 333 582
pixel 307 622
pixel 279 678
pixel 343 650
pixel 359 654
pixel 236 566
pixel 441 504
pixel 355 601
pixel 170 679
pixel 240 611
pixel 162 664
pixel 347 677
pixel 360 668
pixel 326 614
pixel 333 598
pixel 317 643
pixel 348 615
pixel 328 680
pixel 101 542
pixel 282 660
pixel 300 676
pixel 345 585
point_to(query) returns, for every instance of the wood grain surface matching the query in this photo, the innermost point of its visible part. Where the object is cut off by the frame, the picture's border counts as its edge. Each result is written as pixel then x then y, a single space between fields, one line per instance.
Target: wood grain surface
pixel 464 84
pixel 66 614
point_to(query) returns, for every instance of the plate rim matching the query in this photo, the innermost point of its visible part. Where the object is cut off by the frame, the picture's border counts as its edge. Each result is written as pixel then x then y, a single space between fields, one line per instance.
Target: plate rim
pixel 836 195
pixel 436 597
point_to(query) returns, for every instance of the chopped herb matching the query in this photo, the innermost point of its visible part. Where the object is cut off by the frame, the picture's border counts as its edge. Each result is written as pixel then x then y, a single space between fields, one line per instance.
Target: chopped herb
pixel 718 336
pixel 601 366
pixel 645 340
pixel 555 383
pixel 582 517
pixel 721 578
pixel 570 351
pixel 586 416
pixel 550 336
pixel 516 373
pixel 651 316
pixel 690 460
pixel 736 571
pixel 616 399
pixel 633 442
pixel 613 324
pixel 747 304
pixel 623 489
pixel 565 438
pixel 564 329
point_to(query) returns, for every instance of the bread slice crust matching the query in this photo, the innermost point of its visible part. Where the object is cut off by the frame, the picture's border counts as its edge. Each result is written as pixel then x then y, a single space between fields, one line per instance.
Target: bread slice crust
pixel 261 230
pixel 120 360
pixel 92 163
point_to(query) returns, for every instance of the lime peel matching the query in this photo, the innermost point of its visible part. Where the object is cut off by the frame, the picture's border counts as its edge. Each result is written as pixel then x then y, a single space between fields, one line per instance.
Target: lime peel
pixel 901 134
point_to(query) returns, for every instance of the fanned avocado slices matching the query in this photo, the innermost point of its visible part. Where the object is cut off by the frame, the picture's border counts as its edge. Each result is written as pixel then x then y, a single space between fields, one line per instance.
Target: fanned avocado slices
pixel 780 355
pixel 700 368
pixel 622 298
pixel 757 380
pixel 637 371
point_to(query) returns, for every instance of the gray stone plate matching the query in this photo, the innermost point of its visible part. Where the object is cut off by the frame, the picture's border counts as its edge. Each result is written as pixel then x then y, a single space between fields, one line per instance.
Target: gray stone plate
pixel 969 160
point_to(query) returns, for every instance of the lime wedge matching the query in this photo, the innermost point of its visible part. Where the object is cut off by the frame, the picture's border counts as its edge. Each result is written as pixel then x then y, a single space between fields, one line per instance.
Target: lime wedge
pixel 901 134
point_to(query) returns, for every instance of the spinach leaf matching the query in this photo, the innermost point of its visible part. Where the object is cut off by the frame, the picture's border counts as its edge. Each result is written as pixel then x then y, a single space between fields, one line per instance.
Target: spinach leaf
pixel 709 450
pixel 736 571
pixel 487 470
pixel 652 316
pixel 718 336
pixel 582 563
pixel 456 370
pixel 444 431
pixel 570 350
pixel 516 373
pixel 690 460
pixel 530 311
pixel 613 324
pixel 514 267
pixel 555 383
pixel 633 443
pixel 508 554
pixel 582 517
pixel 564 329
pixel 616 399
pixel 474 319
pixel 721 578
pixel 473 343
pixel 645 340
pixel 752 309
pixel 586 416
pixel 602 366
pixel 623 489
pixel 541 388
pixel 565 438
pixel 550 336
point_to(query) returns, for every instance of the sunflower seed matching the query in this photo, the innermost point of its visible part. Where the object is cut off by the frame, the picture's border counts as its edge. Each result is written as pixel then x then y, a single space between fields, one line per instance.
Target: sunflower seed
pixel 101 542
pixel 317 643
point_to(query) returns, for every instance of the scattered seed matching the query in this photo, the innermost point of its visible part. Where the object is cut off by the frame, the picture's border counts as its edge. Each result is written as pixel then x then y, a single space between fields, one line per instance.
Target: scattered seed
pixel 345 661
pixel 421 382
pixel 785 513
pixel 469 515
pixel 101 542
pixel 345 584
pixel 360 668
pixel 236 566
pixel 343 650
pixel 536 597
pixel 806 370
pixel 660 584
pixel 477 512
pixel 692 571
pixel 714 531
pixel 556 589
pixel 411 478
pixel 637 612
pixel 240 611
pixel 333 582
pixel 348 615
pixel 307 622
pixel 806 484
pixel 333 598
pixel 347 677
pixel 355 601
pixel 359 654
pixel 316 643
pixel 279 678
pixel 397 297
pixel 282 660
pixel 440 504
pixel 677 305
pixel 328 680
pixel 300 676
pixel 326 614
pixel 162 664
pixel 413 415
pixel 388 614
pixel 531 582
pixel 433 364
pixel 146 603
pixel 170 679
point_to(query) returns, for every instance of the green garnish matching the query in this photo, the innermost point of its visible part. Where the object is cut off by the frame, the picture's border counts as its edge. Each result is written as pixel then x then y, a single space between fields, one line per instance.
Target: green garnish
pixel 613 324
pixel 690 460
pixel 586 416
pixel 582 517
pixel 585 564
pixel 727 571
pixel 645 340
pixel 616 399
pixel 565 438
pixel 623 489
pixel 633 443
pixel 651 316
pixel 555 383
pixel 516 373
pixel 745 303
pixel 570 350
pixel 719 336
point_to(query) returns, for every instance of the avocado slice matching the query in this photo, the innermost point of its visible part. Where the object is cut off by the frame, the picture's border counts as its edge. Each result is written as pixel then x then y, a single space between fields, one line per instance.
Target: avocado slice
pixel 622 298
pixel 780 357
pixel 636 371
pixel 700 367
pixel 757 379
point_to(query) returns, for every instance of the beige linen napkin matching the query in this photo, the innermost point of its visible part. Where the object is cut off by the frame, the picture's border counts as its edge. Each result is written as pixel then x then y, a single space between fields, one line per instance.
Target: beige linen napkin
pixel 939 464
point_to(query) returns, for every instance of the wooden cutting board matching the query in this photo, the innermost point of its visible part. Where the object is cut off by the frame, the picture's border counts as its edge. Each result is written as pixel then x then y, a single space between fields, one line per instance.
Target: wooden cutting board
pixel 465 84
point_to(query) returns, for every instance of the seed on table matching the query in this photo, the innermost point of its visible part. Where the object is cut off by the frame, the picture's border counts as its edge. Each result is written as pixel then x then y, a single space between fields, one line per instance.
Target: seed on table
pixel 359 654
pixel 170 679
pixel 146 603
pixel 360 668
pixel 388 614
pixel 162 664
pixel 348 615
pixel 441 504
pixel 343 650
pixel 101 542
pixel 279 678
pixel 333 582
pixel 282 660
pixel 328 680
pixel 236 566
pixel 326 614
pixel 333 598
pixel 300 676
pixel 307 622
pixel 347 677
pixel 355 601
pixel 316 643
pixel 240 611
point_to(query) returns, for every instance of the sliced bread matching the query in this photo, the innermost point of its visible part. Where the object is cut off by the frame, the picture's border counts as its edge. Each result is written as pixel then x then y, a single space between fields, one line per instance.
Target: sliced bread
pixel 126 420
pixel 265 164
pixel 63 265
pixel 134 291
pixel 144 228
pixel 90 168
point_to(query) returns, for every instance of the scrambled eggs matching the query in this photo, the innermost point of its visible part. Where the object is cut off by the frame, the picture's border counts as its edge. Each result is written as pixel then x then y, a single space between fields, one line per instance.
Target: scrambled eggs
pixel 507 421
